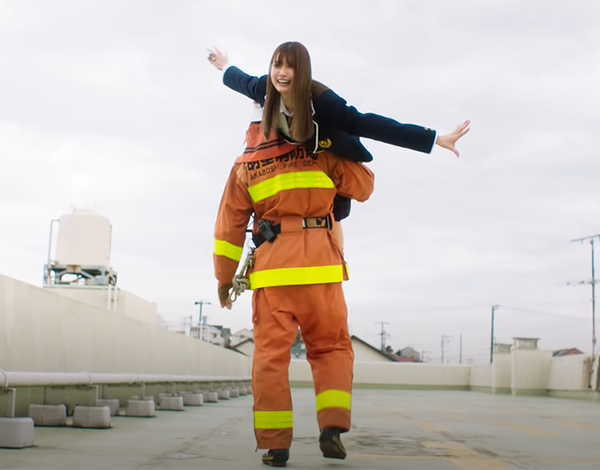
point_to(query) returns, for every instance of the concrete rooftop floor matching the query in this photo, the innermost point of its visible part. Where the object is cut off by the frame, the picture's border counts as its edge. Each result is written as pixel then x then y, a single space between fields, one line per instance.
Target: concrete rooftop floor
pixel 392 429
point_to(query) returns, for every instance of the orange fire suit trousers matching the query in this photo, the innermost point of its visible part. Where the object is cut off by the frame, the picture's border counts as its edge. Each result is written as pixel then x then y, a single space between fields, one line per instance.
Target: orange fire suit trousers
pixel 320 312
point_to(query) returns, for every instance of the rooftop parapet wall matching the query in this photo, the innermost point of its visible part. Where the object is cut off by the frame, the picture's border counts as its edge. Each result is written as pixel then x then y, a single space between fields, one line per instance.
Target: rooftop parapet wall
pixel 42 331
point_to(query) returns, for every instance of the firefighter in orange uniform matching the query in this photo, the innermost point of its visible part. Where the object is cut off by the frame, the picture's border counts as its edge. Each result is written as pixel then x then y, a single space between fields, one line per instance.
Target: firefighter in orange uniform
pixel 296 277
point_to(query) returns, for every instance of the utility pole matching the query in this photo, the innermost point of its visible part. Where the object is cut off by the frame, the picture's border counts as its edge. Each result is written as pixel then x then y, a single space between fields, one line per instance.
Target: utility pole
pixel 460 351
pixel 201 303
pixel 593 284
pixel 383 335
pixel 445 339
pixel 494 308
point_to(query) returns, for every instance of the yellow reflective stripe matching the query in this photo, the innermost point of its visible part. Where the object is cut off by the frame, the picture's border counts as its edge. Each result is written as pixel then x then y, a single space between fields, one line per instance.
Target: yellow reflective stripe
pixel 334 399
pixel 297 276
pixel 223 248
pixel 287 181
pixel 273 419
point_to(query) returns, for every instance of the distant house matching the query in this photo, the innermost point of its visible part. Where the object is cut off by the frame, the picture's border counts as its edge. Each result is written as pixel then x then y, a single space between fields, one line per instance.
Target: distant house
pixel 566 352
pixel 409 353
pixel 246 347
pixel 239 336
pixel 298 350
pixel 210 333
pixel 219 335
pixel 364 352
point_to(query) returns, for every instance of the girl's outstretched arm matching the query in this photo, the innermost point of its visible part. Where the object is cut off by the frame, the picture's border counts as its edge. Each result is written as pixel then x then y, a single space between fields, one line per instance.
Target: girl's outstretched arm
pixel 334 110
pixel 254 88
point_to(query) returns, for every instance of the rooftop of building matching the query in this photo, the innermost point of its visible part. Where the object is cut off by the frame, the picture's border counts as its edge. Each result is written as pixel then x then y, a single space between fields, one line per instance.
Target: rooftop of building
pixel 392 429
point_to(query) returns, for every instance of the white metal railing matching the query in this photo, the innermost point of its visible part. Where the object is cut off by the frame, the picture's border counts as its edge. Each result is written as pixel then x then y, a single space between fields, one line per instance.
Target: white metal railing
pixel 48 379
pixel 10 380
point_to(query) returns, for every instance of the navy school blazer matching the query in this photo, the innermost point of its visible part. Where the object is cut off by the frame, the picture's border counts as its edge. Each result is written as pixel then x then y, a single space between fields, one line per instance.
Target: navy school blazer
pixel 340 126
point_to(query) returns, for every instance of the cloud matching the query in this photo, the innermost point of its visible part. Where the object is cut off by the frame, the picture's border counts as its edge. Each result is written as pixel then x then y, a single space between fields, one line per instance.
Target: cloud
pixel 112 104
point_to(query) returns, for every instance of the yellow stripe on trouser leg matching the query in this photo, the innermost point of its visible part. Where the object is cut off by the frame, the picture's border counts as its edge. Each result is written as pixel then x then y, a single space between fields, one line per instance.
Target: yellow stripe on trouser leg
pixel 334 399
pixel 273 419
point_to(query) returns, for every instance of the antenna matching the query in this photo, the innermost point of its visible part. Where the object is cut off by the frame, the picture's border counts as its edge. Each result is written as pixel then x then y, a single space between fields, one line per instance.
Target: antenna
pixel 383 334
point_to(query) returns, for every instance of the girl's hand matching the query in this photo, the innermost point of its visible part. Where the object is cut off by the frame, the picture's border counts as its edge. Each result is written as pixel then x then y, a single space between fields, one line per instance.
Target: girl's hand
pixel 217 58
pixel 448 141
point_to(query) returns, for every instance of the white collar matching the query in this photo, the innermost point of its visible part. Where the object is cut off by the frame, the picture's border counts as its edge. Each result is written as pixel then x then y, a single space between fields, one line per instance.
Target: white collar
pixel 283 109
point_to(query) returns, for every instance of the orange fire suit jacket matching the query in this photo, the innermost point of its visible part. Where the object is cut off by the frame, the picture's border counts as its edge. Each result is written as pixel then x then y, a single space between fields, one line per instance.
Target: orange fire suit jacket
pixel 284 184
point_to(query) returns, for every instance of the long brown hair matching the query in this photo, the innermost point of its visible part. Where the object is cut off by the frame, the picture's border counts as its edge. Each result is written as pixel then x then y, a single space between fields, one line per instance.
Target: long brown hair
pixel 304 88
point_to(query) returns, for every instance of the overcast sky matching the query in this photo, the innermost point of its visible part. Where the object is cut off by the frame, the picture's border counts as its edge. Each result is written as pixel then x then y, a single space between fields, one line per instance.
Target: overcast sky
pixel 112 105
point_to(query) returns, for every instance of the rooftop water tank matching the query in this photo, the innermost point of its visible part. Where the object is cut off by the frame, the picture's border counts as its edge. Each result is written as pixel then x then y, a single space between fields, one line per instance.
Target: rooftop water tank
pixel 84 239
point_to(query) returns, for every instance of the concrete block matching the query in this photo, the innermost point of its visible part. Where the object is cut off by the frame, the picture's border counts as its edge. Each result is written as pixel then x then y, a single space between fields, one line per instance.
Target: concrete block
pixel 213 397
pixel 48 415
pixel 141 408
pixel 223 394
pixel 193 399
pixel 243 391
pixel 113 404
pixel 16 433
pixel 171 403
pixel 234 393
pixel 91 417
pixel 149 397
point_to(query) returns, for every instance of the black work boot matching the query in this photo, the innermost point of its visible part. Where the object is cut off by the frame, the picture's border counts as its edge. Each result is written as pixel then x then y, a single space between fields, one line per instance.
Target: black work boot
pixel 331 445
pixel 276 457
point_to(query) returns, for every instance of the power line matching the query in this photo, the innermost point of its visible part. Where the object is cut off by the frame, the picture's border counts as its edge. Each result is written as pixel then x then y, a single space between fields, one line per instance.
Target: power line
pixel 543 313
pixel 432 310
pixel 537 312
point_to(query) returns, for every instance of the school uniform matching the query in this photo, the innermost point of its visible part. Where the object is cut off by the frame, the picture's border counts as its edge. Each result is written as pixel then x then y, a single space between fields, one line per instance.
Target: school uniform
pixel 338 126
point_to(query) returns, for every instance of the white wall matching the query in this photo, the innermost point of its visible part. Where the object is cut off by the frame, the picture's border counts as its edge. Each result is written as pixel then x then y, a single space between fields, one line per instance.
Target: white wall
pixel 299 371
pixel 495 376
pixel 247 348
pixel 41 330
pixel 127 304
pixel 395 373
pixel 135 307
pixel 481 375
pixel 570 373
pixel 501 371
pixel 530 369
pixel 363 353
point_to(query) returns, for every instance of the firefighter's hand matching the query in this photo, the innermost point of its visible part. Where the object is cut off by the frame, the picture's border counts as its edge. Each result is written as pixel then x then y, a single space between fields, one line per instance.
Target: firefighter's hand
pixel 449 140
pixel 217 58
pixel 224 295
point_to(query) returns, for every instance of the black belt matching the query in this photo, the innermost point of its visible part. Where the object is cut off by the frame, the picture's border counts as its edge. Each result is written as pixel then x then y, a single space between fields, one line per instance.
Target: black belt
pixel 268 232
